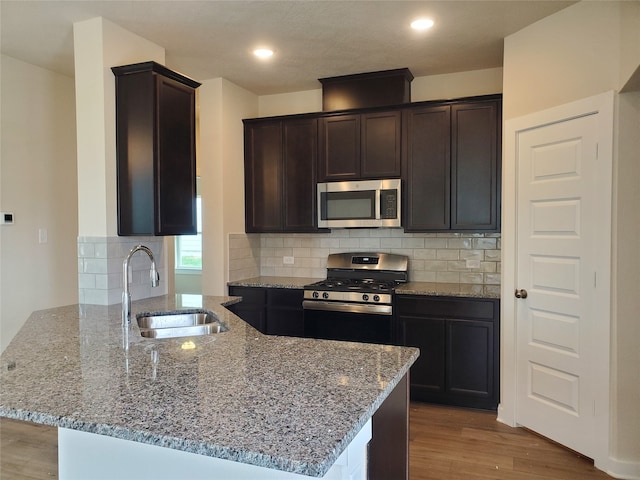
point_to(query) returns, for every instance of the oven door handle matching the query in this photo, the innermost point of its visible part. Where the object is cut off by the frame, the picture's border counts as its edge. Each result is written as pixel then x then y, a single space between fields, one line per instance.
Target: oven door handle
pixel 347 307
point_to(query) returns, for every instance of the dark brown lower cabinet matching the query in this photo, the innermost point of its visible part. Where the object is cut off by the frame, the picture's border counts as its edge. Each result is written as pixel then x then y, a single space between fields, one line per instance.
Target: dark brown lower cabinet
pixel 252 307
pixel 459 349
pixel 389 445
pixel 272 311
pixel 284 312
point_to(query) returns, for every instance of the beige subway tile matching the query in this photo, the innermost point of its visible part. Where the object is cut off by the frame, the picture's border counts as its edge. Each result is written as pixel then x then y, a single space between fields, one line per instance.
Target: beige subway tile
pixel 422 276
pixel 485 243
pixel 457 266
pixel 471 277
pixel 492 255
pixel 391 242
pixel 416 264
pixel 435 265
pixel 488 267
pixel 459 243
pixel 447 254
pixel 492 278
pixel 424 253
pixel 472 254
pixel 369 243
pixel 435 243
pixel 415 242
pixel 301 252
pixel 447 277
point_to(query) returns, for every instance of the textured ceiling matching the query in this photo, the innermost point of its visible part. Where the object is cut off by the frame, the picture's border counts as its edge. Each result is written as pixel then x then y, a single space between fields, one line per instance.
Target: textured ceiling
pixel 312 39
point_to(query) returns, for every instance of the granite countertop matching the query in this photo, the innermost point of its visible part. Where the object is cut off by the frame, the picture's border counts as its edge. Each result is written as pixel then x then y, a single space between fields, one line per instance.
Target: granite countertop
pixel 449 290
pixel 410 288
pixel 290 404
pixel 275 282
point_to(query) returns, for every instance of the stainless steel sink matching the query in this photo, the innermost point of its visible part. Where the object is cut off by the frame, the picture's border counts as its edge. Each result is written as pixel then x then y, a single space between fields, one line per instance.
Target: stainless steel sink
pixel 169 325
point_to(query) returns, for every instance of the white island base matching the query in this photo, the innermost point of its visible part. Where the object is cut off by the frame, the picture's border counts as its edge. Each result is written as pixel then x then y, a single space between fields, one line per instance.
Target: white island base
pixel 85 456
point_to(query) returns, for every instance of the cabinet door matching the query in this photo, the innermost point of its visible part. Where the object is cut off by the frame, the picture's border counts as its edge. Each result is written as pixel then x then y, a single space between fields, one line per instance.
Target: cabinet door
pixel 339 148
pixel 300 162
pixel 380 144
pixel 428 372
pixel 284 312
pixel 263 176
pixel 175 212
pixel 459 349
pixel 427 173
pixel 475 166
pixel 252 307
pixel 470 360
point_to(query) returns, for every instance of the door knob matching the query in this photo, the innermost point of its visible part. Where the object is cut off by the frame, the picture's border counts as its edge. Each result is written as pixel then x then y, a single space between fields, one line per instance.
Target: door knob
pixel 522 293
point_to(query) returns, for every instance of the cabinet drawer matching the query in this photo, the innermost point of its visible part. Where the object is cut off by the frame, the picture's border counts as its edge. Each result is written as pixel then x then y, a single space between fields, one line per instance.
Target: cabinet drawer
pixel 446 307
pixel 284 297
pixel 250 295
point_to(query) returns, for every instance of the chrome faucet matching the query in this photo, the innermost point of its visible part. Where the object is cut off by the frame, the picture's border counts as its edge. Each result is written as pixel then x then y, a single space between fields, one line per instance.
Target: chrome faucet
pixel 126 295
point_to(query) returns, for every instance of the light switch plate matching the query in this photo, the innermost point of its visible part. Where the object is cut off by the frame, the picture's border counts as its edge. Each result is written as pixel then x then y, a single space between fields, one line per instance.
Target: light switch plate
pixel 288 260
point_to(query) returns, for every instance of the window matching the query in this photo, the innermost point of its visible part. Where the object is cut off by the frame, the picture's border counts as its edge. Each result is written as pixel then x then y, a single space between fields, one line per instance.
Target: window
pixel 189 247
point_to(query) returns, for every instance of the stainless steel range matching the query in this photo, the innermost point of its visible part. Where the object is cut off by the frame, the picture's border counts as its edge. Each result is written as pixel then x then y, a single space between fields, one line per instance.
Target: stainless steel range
pixel 355 301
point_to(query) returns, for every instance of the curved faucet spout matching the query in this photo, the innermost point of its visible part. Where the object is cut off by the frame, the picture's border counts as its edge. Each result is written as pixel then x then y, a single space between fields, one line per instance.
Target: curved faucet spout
pixel 126 294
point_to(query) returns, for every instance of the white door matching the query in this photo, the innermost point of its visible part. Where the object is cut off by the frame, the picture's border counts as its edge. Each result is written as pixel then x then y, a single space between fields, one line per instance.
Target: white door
pixel 557 319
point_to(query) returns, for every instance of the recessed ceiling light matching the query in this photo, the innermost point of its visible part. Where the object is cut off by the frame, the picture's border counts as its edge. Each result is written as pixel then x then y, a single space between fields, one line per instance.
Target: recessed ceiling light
pixel 263 52
pixel 422 24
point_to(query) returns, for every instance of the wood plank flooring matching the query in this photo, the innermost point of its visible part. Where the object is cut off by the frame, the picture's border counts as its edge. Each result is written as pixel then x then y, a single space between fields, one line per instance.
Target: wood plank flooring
pixel 445 444
pixel 458 444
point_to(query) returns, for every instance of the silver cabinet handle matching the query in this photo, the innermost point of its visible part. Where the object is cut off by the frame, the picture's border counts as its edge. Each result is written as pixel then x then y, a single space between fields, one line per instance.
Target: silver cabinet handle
pixel 522 293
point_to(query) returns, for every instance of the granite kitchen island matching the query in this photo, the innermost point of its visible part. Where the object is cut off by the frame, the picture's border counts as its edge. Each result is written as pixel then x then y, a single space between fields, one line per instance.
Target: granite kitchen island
pixel 289 405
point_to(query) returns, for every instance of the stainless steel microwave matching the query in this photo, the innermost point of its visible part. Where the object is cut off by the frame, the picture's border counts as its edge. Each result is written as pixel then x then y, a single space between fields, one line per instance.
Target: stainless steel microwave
pixel 359 204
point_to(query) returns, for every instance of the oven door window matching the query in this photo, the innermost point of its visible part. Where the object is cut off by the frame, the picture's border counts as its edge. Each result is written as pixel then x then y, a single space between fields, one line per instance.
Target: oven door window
pixel 348 205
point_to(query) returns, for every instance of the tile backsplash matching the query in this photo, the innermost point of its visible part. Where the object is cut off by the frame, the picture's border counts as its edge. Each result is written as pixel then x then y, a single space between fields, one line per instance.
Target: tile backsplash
pixel 433 257
pixel 100 269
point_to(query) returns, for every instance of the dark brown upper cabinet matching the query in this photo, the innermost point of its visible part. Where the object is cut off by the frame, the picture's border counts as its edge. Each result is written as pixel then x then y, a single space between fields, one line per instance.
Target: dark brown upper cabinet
pixel 451 158
pixel 475 165
pixel 360 146
pixel 280 158
pixel 427 158
pixel 155 147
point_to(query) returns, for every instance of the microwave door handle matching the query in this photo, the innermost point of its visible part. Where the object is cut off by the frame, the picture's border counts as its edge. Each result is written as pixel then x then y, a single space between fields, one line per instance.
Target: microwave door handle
pixel 377 200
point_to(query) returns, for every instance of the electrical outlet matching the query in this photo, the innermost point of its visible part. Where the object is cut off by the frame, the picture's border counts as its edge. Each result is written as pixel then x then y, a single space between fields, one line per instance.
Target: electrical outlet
pixel 472 263
pixel 42 235
pixel 288 260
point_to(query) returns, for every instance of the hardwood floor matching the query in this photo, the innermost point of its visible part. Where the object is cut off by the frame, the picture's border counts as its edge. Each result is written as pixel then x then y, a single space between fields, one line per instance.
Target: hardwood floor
pixel 28 451
pixel 458 444
pixel 445 444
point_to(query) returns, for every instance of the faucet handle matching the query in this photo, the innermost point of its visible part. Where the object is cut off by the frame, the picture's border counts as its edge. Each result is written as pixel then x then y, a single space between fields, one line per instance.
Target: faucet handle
pixel 154 275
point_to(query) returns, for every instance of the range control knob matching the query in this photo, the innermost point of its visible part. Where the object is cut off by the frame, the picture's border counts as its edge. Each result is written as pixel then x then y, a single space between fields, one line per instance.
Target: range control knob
pixel 315 294
pixel 365 297
pixel 325 295
pixel 376 298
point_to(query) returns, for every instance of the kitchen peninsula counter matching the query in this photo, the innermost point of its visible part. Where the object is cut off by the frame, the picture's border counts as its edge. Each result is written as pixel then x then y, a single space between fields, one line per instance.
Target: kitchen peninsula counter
pixel 410 288
pixel 461 290
pixel 288 404
pixel 274 282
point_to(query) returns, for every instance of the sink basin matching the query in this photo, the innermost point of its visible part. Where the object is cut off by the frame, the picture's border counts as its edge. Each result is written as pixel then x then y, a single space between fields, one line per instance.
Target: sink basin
pixel 170 325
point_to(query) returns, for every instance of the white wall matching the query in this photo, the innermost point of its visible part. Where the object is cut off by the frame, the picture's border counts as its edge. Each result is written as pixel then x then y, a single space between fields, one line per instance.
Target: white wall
pixel 39 185
pixel 223 105
pixel 457 85
pixel 98 46
pixel 433 87
pixel 626 279
pixel 574 54
pixel 584 50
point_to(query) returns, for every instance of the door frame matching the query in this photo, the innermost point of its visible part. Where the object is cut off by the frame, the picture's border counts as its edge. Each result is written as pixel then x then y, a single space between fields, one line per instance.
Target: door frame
pixel 603 105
